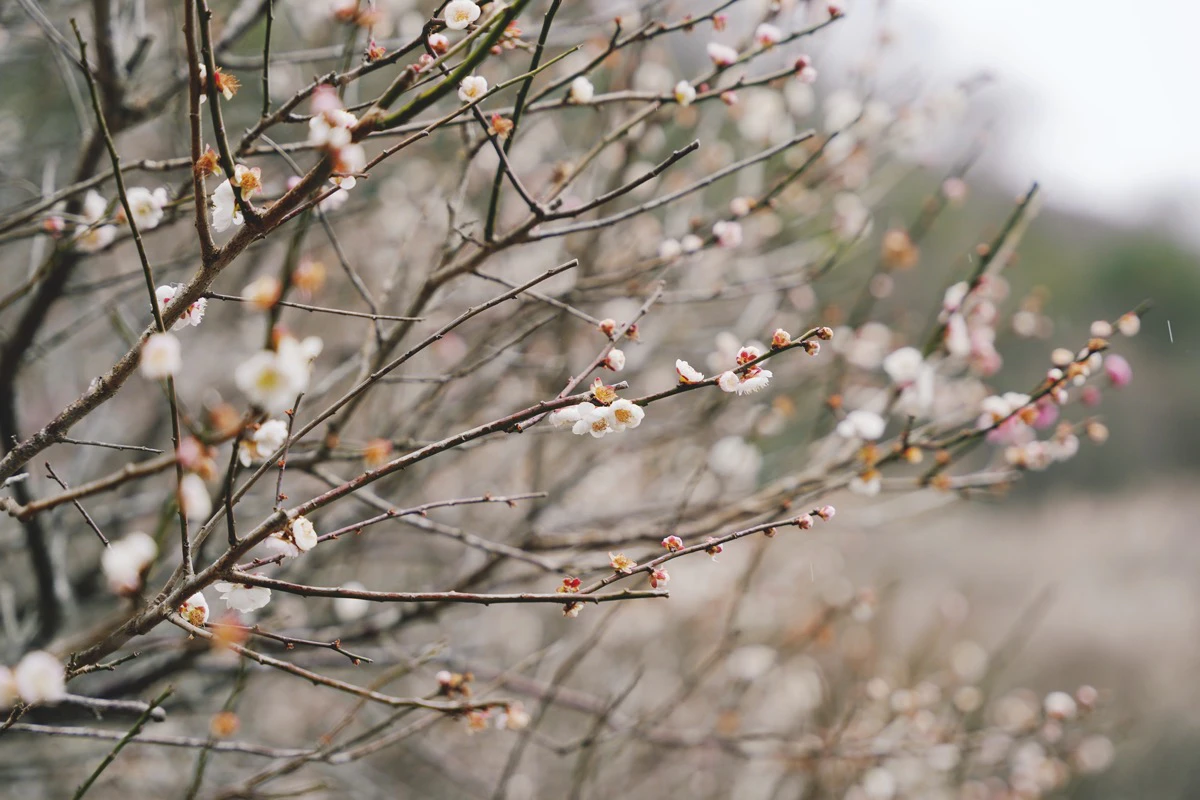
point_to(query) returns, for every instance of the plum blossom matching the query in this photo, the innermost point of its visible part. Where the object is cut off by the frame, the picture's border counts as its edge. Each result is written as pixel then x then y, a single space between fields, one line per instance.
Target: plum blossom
pixel 125 560
pixel 626 414
pixel 805 71
pixel 263 292
pixel 93 236
pixel 615 360
pixel 160 357
pixel 595 420
pixel 193 496
pixel 621 562
pixel 268 438
pixel 472 88
pixel 458 14
pixel 147 206
pixel 669 249
pixel 1118 371
pixel 868 484
pixel 727 233
pixel 225 210
pixel 748 381
pixel 303 534
pixel 733 458
pixel 581 91
pixel 687 373
pixel 193 315
pixel 658 576
pixel 564 417
pixel 40 678
pixel 243 597
pixel 280 545
pixel 691 243
pixel 672 543
pixel 272 379
pixel 349 609
pixel 860 424
pixel 721 54
pixel 767 35
pixel 685 94
pixel 195 609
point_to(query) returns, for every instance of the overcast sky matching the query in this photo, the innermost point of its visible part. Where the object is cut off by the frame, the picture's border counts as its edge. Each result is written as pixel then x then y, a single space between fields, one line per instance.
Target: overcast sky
pixel 1100 96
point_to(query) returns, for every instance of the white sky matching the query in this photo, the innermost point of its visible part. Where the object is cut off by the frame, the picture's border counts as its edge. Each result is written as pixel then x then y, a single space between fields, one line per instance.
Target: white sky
pixel 1101 98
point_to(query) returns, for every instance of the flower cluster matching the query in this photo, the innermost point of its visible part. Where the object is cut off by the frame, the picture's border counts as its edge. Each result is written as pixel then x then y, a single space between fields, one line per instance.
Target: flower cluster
pixel 746 379
pixel 613 416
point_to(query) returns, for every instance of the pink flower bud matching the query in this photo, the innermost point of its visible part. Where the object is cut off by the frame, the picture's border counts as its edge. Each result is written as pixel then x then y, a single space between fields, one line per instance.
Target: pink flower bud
pixel 1118 370
pixel 826 512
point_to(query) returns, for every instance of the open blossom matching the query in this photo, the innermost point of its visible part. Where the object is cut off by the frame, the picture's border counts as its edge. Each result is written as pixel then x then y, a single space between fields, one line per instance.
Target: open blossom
pixel 195 609
pixel 125 560
pixel 40 678
pixel 687 373
pixel 263 292
pixel 225 210
pixel 472 88
pixel 194 314
pixel 721 54
pixel 332 129
pixel 147 206
pixel 626 414
pixel 581 91
pixel 728 233
pixel 862 425
pixel 595 420
pixel 904 366
pixel 279 544
pixel 193 496
pixel 621 562
pixel 458 14
pixel 513 718
pixel 243 597
pixel 269 437
pixel 160 356
pixel 685 93
pixel 95 236
pixel 273 379
pixel 348 162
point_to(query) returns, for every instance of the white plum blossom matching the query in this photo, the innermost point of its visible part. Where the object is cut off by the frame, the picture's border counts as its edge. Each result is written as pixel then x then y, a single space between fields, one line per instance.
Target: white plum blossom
pixel 728 381
pixel 40 678
pixel 472 88
pixel 751 380
pixel 225 210
pixel 272 379
pixel 147 206
pixel 685 93
pixel 581 91
pixel 958 336
pixel 243 597
pixel 194 314
pixel 93 236
pixel 860 424
pixel 350 160
pixel 279 545
pixel 733 458
pixel 349 609
pixel 331 129
pixel 193 496
pixel 596 420
pixel 160 357
pixel 303 534
pixel 687 373
pixel 727 233
pixel 124 561
pixel 691 243
pixel 615 360
pixel 669 249
pixel 195 609
pixel 953 299
pixel 564 417
pixel 269 437
pixel 903 366
pixel 866 485
pixel 458 14
pixel 626 414
pixel 721 54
